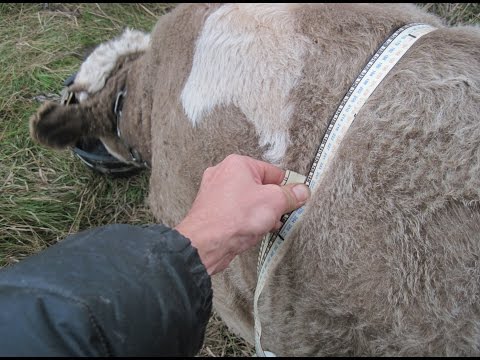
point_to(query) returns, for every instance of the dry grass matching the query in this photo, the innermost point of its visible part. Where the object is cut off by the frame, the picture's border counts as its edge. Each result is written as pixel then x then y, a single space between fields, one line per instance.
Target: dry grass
pixel 455 13
pixel 46 195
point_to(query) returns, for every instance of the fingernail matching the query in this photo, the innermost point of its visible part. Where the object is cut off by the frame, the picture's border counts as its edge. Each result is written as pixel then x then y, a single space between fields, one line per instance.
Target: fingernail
pixel 302 192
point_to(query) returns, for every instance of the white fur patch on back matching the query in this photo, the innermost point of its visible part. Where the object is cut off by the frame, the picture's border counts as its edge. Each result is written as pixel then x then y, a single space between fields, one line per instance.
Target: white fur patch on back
pixel 97 68
pixel 248 55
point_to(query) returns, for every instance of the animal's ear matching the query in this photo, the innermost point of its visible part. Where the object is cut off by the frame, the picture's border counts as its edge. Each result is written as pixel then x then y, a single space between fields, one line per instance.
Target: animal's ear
pixel 58 126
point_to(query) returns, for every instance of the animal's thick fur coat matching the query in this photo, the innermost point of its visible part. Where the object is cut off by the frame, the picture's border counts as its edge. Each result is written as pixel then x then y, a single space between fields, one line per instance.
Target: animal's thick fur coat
pixel 386 258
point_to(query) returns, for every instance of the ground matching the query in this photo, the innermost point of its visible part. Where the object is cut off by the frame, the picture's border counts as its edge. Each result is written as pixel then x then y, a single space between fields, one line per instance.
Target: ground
pixel 46 195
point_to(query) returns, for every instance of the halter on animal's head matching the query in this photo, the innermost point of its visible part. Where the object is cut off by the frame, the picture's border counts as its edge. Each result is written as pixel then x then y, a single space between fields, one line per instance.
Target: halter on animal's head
pixel 93 153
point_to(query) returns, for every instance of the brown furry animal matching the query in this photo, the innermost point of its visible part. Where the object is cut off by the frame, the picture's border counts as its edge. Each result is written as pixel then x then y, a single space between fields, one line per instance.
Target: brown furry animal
pixel 385 260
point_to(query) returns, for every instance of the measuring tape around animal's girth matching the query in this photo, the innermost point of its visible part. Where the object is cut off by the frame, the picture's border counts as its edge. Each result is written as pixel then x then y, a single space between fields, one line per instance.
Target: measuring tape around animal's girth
pixel 391 51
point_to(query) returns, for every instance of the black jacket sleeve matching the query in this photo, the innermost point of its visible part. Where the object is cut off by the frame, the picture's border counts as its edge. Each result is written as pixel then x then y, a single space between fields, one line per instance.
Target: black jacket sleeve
pixel 117 290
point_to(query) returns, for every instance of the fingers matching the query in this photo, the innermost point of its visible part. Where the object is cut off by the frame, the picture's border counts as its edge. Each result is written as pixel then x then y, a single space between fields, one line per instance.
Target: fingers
pixel 285 199
pixel 296 195
pixel 268 173
pixel 291 201
pixel 277 226
pixel 261 172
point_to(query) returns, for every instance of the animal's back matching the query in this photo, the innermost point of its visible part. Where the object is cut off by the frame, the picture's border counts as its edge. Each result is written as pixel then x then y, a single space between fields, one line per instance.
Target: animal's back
pixel 385 259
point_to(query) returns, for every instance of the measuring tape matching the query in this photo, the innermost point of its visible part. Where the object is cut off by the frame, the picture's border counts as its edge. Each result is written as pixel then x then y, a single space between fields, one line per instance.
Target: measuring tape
pixel 392 50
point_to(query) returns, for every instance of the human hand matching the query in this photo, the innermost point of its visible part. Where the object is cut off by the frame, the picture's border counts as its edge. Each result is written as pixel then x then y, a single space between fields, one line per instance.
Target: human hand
pixel 238 202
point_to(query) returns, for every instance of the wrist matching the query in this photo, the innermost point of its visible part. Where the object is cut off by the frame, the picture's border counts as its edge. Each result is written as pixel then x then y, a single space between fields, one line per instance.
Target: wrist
pixel 208 239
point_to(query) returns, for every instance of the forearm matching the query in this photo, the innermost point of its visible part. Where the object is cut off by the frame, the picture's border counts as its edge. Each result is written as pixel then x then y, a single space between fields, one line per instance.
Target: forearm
pixel 118 290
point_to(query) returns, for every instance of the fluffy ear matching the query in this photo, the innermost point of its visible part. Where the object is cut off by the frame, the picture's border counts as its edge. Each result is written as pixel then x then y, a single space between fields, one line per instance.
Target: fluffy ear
pixel 58 126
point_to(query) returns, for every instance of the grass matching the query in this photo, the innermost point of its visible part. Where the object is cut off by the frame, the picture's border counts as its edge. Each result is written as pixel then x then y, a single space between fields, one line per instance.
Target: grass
pixel 46 195
pixel 455 13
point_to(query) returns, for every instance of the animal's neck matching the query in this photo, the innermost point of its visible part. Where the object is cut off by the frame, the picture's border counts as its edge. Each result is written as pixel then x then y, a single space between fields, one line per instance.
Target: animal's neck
pixel 134 121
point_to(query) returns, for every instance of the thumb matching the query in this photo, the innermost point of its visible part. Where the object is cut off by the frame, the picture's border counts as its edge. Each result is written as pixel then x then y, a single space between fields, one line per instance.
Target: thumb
pixel 296 195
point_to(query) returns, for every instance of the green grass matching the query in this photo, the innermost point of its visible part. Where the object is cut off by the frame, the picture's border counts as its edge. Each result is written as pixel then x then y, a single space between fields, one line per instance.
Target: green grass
pixel 46 195
pixel 455 13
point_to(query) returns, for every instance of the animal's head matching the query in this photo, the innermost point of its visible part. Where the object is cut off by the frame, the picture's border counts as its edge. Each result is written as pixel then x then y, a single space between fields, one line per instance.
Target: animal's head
pixel 98 89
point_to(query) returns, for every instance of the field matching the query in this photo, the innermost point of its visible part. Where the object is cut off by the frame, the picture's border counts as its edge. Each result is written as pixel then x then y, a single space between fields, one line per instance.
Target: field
pixel 46 195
